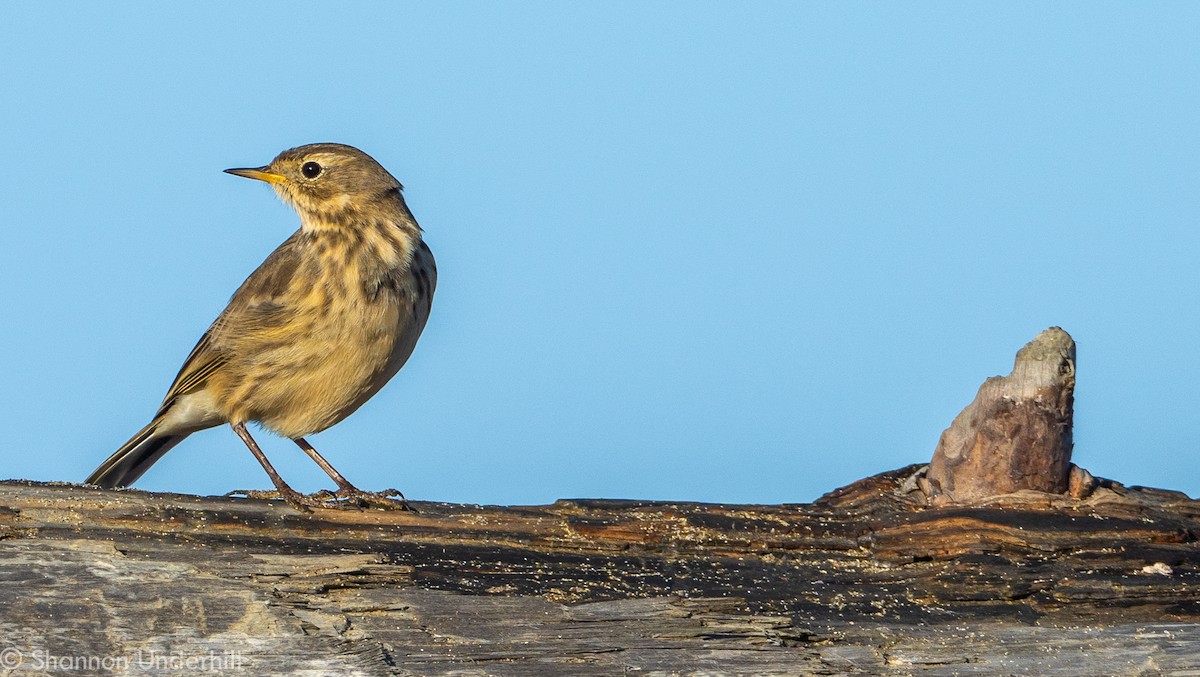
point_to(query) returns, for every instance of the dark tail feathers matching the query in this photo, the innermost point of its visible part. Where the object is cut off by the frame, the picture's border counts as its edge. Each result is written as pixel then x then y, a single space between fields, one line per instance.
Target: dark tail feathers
pixel 133 458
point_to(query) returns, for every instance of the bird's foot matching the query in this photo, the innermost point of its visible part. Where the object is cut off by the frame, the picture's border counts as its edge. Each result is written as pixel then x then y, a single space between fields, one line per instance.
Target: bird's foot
pixel 352 497
pixel 345 497
pixel 292 497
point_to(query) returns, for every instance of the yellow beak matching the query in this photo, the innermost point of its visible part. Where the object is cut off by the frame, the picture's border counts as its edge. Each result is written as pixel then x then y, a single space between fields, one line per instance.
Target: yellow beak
pixel 259 173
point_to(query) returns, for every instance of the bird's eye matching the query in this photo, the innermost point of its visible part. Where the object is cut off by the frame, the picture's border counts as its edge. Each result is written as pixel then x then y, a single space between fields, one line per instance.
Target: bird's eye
pixel 310 170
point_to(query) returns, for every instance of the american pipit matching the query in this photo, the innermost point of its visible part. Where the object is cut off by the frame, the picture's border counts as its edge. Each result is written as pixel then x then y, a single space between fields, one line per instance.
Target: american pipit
pixel 319 328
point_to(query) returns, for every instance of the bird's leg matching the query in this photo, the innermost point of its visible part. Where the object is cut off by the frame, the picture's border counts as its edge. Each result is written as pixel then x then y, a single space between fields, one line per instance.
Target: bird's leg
pixel 382 499
pixel 282 490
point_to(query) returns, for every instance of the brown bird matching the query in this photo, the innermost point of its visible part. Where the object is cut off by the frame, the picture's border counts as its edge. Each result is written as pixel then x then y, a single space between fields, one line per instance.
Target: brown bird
pixel 314 332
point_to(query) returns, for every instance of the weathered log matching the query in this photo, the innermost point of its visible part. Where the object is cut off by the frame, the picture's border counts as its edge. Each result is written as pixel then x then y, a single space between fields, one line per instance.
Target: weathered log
pixel 1016 434
pixel 1026 565
pixel 863 581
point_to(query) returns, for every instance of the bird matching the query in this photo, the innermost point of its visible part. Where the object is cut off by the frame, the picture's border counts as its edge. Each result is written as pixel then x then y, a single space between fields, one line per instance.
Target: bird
pixel 314 332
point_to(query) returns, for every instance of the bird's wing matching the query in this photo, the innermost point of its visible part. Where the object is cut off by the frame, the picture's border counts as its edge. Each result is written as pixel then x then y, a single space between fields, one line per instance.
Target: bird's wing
pixel 414 284
pixel 259 302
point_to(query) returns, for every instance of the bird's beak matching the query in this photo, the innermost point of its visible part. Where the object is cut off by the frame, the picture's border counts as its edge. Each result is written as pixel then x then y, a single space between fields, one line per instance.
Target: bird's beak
pixel 259 173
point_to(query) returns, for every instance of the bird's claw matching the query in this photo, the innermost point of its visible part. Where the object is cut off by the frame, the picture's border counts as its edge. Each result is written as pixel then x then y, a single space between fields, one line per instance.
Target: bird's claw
pixel 265 494
pixel 352 497
pixel 349 497
pixel 293 498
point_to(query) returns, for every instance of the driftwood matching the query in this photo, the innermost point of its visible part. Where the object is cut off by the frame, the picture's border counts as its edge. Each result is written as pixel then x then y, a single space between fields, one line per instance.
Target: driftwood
pixel 860 582
pixel 897 574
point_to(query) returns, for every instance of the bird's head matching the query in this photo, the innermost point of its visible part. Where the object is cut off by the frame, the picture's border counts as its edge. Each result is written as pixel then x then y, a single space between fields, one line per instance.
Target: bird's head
pixel 325 180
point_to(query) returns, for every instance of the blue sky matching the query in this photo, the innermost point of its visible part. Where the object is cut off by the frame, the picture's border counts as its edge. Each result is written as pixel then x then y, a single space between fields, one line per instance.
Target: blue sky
pixel 719 252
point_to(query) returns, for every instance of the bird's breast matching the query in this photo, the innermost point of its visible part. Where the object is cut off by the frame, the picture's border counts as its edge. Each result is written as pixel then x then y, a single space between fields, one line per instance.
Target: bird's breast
pixel 350 328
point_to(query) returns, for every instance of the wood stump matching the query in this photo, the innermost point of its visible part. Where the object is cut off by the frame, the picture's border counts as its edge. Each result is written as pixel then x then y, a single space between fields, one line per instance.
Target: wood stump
pixel 1016 434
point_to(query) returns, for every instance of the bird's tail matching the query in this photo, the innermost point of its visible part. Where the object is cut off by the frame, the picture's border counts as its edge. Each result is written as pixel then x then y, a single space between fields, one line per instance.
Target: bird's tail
pixel 134 457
